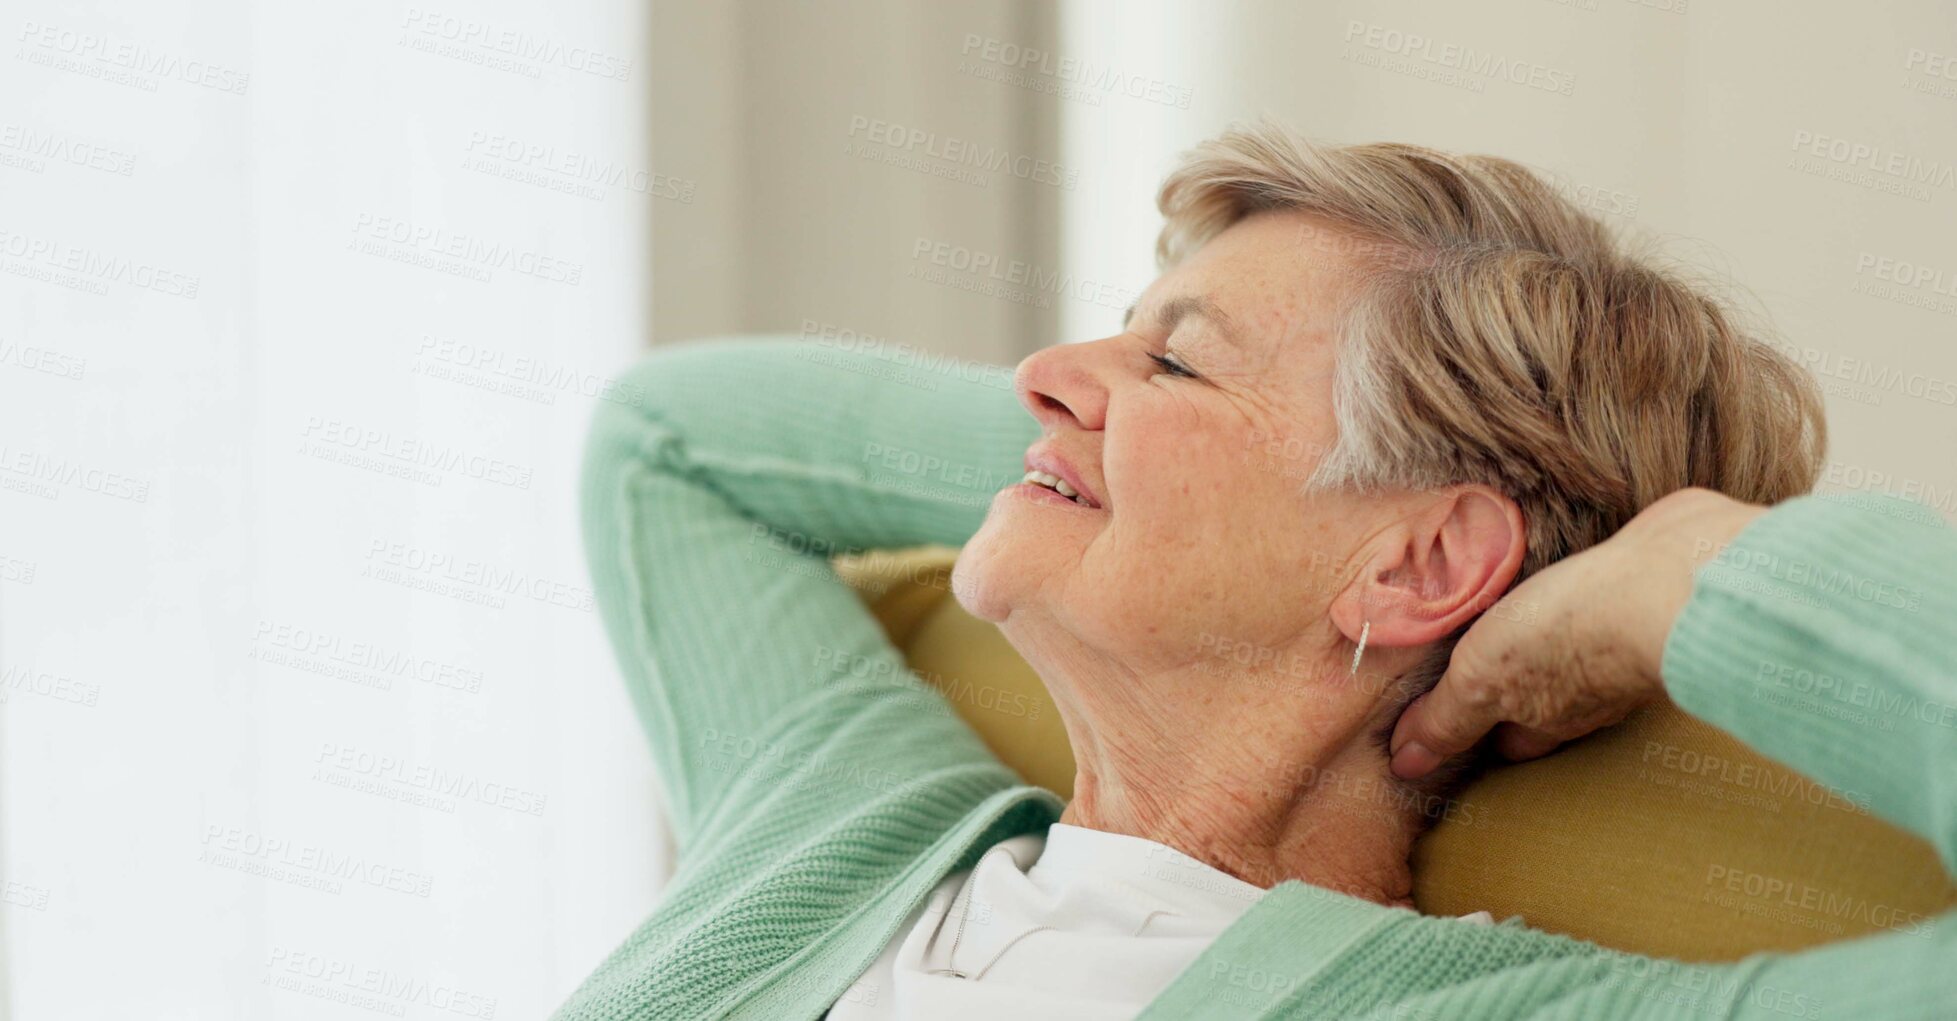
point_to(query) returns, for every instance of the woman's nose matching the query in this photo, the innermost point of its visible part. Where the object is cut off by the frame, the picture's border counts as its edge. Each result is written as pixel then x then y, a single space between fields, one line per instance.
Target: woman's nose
pixel 1064 386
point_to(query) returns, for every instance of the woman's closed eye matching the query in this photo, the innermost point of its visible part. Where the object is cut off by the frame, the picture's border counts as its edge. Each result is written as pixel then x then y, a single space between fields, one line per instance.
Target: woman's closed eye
pixel 1173 367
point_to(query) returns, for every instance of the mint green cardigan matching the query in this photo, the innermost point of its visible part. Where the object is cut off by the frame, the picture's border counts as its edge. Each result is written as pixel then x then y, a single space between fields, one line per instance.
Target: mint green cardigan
pixel 817 790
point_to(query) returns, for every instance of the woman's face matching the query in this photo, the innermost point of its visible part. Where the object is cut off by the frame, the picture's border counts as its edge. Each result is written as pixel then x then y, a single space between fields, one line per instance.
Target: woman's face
pixel 1201 543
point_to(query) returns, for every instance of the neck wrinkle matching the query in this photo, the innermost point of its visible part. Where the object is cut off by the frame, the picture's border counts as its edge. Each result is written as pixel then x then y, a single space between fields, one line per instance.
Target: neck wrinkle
pixel 1265 778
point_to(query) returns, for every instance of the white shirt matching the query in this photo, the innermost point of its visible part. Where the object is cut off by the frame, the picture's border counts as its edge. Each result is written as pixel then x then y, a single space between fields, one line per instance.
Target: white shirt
pixel 1080 924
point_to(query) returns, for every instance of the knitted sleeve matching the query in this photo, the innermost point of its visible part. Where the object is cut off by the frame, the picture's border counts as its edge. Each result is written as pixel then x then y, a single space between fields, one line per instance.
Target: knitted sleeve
pixel 711 505
pixel 1823 636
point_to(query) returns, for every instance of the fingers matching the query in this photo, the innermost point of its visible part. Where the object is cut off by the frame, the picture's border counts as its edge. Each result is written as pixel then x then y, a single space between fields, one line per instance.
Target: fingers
pixel 1438 726
pixel 1517 742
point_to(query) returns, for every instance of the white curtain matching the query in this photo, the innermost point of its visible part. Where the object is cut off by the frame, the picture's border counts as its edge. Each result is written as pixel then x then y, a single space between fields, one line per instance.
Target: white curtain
pixel 303 310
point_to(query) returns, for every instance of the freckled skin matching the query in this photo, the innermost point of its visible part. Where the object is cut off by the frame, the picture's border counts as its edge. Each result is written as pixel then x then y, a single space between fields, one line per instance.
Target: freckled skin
pixel 1205 547
pixel 1205 541
pixel 1200 477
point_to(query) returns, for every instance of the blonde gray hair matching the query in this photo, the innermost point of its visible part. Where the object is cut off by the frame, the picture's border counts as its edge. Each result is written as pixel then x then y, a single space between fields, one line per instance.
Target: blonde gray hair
pixel 1500 335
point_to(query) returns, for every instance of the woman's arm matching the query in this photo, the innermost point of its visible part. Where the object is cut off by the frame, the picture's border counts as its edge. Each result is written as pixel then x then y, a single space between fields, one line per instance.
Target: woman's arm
pixel 1825 636
pixel 1793 616
pixel 712 501
pixel 1765 623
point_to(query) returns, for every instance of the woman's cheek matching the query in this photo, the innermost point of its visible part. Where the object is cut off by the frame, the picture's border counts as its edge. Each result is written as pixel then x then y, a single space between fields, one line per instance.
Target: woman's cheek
pixel 1142 624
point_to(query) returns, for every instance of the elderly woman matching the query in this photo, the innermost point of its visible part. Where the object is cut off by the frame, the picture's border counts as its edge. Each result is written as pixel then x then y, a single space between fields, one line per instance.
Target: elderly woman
pixel 1379 395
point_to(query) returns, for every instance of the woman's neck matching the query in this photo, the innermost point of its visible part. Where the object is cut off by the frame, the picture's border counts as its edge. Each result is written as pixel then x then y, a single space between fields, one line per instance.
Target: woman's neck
pixel 1265 777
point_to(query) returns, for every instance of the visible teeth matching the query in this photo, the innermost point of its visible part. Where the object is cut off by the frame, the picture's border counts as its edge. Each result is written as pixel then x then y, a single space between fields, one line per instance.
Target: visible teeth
pixel 1057 484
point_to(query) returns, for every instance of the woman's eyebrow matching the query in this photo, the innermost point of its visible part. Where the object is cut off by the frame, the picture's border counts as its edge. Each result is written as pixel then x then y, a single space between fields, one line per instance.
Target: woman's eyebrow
pixel 1174 310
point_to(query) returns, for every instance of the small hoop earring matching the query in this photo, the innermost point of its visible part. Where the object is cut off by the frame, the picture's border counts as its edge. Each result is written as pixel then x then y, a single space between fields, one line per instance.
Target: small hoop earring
pixel 1365 632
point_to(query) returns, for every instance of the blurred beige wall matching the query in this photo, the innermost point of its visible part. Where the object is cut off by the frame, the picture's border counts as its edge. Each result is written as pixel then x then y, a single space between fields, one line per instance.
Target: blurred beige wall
pixel 843 154
pixel 1802 154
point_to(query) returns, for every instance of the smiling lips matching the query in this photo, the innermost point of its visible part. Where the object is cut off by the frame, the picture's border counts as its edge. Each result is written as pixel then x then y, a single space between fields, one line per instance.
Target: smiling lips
pixel 1055 483
pixel 1048 470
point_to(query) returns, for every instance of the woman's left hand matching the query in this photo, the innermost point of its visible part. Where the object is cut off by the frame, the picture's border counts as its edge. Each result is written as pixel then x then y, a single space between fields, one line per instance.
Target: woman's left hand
pixel 1577 646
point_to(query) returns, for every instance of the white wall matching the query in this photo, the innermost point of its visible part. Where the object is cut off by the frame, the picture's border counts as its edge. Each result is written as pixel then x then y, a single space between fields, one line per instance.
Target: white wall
pixel 294 301
pixel 1137 85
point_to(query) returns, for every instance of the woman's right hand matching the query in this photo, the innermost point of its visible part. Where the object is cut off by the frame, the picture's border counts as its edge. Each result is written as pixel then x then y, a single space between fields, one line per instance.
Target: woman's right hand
pixel 1577 646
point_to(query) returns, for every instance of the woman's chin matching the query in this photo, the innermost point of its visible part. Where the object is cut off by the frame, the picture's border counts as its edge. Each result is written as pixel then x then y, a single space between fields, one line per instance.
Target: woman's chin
pixel 1015 551
pixel 973 583
pixel 992 569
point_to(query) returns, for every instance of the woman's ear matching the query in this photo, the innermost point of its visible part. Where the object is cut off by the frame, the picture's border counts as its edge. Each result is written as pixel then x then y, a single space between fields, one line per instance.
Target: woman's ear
pixel 1438 570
